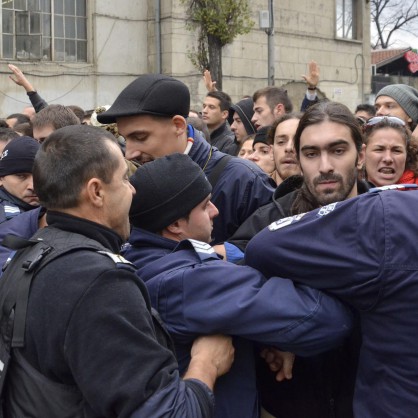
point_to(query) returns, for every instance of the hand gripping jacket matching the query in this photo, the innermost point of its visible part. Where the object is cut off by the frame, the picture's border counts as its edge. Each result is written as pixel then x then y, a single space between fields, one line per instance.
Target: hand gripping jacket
pixel 23 389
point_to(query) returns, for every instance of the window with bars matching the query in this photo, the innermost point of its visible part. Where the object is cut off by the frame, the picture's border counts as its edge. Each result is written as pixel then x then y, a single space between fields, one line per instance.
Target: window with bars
pixel 50 30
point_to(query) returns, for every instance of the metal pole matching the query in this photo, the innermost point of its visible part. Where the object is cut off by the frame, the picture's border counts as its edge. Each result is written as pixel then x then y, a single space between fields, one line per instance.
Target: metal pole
pixel 158 36
pixel 270 44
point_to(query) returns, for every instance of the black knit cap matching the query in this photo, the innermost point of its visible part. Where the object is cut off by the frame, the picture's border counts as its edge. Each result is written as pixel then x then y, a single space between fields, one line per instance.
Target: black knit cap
pixel 262 135
pixel 245 110
pixel 18 156
pixel 149 94
pixel 167 189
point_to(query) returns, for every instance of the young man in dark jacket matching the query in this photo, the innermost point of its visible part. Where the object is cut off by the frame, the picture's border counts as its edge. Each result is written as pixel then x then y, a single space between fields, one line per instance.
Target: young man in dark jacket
pixel 150 113
pixel 329 147
pixel 91 346
pixel 195 291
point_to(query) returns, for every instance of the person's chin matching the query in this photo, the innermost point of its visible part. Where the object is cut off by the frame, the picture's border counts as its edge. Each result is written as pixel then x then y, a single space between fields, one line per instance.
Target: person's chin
pixel 32 201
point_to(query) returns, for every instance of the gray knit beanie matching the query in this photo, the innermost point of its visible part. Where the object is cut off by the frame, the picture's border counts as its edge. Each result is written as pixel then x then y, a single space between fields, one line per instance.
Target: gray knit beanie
pixel 406 96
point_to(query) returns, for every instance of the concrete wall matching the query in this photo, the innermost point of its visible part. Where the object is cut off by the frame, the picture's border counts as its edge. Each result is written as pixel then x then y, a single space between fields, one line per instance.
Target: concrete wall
pixel 117 54
pixel 122 45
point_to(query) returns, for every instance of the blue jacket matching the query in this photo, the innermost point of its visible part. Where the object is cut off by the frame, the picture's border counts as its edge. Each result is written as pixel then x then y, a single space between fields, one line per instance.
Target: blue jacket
pixel 364 251
pixel 242 187
pixel 24 225
pixel 11 206
pixel 197 293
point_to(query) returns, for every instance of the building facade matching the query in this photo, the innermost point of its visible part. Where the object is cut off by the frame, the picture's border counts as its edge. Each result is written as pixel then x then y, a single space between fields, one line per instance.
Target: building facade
pixel 84 52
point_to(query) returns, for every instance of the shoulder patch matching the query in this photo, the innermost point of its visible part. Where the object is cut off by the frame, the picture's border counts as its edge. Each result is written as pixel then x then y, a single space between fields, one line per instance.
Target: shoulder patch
pixel 11 209
pixel 285 222
pixel 202 247
pixel 325 210
pixel 401 187
pixel 116 258
pixel 203 250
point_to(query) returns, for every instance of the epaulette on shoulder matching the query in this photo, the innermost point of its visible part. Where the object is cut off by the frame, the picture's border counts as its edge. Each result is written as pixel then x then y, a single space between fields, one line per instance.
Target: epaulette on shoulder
pixel 401 187
pixel 203 250
pixel 117 258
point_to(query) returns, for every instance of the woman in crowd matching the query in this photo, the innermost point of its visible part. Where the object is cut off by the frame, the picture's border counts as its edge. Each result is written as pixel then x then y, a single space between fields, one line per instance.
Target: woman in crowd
pixel 391 153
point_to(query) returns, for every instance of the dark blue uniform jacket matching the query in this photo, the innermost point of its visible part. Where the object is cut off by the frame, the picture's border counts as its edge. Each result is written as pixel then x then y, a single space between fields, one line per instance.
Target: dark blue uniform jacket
pixel 197 293
pixel 364 251
pixel 242 187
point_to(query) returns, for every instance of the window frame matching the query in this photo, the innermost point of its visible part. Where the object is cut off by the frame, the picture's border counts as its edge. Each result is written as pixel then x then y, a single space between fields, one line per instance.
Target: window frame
pixel 74 42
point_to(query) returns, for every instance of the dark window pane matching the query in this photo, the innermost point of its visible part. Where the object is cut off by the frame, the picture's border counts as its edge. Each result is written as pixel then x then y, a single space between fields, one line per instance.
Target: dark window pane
pixel 7 21
pixel 46 6
pixel 81 51
pixel 35 23
pixel 46 25
pixel 22 22
pixel 59 26
pixel 20 4
pixel 33 5
pixel 8 46
pixel 7 4
pixel 81 8
pixel 23 46
pixel 69 7
pixel 59 6
pixel 59 49
pixel 46 48
pixel 70 54
pixel 81 28
pixel 70 27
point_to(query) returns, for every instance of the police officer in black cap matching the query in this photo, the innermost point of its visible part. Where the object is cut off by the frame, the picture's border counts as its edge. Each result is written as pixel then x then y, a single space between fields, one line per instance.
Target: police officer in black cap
pixel 151 115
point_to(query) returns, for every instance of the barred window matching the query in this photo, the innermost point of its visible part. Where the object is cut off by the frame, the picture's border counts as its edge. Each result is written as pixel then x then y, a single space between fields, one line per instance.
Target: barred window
pixel 50 30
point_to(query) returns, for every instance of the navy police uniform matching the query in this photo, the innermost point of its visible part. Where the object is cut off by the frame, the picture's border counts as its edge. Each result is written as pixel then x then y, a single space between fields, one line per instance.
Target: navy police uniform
pixel 242 187
pixel 364 251
pixel 197 293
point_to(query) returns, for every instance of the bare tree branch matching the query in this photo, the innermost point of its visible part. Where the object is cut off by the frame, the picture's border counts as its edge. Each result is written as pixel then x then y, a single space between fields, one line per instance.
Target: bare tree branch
pixel 390 16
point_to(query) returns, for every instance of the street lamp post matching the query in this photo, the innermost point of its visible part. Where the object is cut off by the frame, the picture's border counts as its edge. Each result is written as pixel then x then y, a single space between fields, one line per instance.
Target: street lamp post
pixel 267 23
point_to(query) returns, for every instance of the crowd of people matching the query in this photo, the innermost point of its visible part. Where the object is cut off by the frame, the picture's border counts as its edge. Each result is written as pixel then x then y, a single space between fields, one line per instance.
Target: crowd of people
pixel 238 261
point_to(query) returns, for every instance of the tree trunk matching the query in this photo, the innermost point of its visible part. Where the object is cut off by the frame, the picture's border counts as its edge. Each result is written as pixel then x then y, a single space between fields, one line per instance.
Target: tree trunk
pixel 215 60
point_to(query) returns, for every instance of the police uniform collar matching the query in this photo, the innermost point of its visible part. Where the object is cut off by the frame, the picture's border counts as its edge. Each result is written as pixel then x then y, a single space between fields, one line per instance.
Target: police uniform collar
pixel 202 249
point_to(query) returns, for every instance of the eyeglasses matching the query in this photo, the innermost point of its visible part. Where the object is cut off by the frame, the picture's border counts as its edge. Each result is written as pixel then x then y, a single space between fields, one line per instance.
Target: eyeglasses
pixel 378 119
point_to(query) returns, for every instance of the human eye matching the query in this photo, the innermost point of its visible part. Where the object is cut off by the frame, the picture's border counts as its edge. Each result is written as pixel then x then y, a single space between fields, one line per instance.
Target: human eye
pixel 339 151
pixel 310 154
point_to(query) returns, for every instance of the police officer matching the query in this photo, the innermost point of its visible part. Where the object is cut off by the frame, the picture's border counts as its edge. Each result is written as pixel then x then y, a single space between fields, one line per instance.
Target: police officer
pixel 91 347
pixel 150 114
pixel 17 194
pixel 362 251
pixel 197 292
